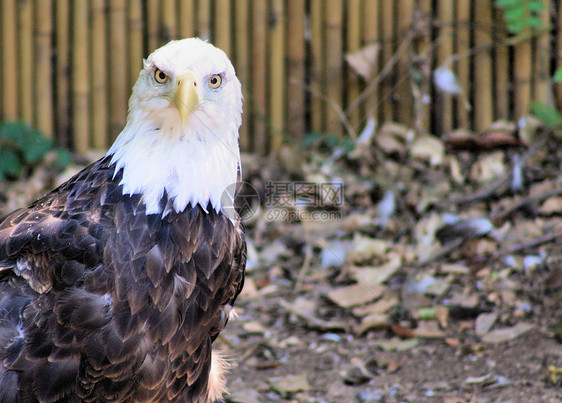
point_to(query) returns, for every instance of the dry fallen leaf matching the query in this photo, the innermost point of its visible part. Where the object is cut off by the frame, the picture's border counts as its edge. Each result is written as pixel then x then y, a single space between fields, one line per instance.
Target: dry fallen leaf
pixel 371 275
pixel 388 301
pixel 428 329
pixel 289 385
pixel 390 144
pixel 253 327
pixel 442 316
pixel 355 294
pixel 453 342
pixel 551 206
pixel 488 166
pixel 428 148
pixel 398 344
pixel 372 321
pixel 365 248
pixel 245 396
pixel 484 323
pixel 402 331
pixel 507 333
pixel 305 309
pixel 364 60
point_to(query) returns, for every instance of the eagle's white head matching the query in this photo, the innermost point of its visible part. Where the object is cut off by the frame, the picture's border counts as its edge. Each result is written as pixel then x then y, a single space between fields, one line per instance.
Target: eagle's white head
pixel 181 135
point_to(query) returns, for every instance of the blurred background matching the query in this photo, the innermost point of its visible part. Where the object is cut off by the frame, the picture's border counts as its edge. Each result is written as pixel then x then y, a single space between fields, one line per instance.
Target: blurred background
pixel 306 65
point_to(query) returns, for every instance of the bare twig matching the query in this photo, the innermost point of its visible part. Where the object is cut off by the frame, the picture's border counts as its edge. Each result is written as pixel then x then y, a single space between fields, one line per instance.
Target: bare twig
pixel 502 216
pixel 333 104
pixel 535 242
pixel 384 72
pixel 307 256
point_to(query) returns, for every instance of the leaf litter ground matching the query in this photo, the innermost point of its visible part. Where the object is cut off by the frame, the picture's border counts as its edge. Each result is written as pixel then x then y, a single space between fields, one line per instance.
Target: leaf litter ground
pixel 441 280
pixel 438 279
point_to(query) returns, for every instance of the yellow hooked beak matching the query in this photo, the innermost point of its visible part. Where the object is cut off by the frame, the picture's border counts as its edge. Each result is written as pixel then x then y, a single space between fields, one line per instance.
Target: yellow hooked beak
pixel 186 96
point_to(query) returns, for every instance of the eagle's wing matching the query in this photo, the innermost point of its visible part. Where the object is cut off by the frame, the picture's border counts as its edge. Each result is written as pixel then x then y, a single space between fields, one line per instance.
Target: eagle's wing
pixel 101 301
pixel 45 251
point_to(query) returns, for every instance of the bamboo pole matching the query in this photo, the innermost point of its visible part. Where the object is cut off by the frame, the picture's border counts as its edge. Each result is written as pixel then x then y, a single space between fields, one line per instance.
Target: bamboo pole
pixel 186 24
pixel 502 68
pixel 483 108
pixel 223 26
pixel 317 77
pixel 558 86
pixel 259 76
pixel 203 21
pixel 371 35
pixel 62 68
pixel 334 63
pixel 43 96
pixel 277 81
pixel 9 61
pixel 405 23
pixel 296 59
pixel 80 77
pixel 168 20
pixel 462 42
pixel 119 93
pixel 388 48
pixel 241 61
pixel 444 52
pixel 522 72
pixel 99 75
pixel 541 70
pixel 25 59
pixel 353 43
pixel 153 24
pixel 135 42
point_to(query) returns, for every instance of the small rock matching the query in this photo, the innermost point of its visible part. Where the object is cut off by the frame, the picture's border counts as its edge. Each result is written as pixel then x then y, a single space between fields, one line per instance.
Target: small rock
pixel 331 337
pixel 354 376
pixel 484 323
pixel 369 396
pixel 357 374
pixel 290 384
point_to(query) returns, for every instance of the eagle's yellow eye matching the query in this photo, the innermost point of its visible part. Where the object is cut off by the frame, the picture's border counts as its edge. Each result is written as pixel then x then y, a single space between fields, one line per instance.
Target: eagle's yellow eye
pixel 215 81
pixel 160 76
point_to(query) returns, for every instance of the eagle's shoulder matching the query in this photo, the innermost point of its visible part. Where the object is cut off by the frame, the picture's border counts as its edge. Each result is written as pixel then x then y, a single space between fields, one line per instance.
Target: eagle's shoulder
pixel 66 226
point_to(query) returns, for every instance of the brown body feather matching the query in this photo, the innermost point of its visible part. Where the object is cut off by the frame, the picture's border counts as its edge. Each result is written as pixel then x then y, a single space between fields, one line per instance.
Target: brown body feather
pixel 102 302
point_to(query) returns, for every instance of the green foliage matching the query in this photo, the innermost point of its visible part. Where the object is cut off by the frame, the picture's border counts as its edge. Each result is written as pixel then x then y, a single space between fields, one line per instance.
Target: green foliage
pixel 547 114
pixel 520 15
pixel 329 143
pixel 557 77
pixel 22 147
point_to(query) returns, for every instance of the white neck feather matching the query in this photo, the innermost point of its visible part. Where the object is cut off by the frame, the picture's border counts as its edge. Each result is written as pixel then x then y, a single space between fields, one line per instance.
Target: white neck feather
pixel 193 166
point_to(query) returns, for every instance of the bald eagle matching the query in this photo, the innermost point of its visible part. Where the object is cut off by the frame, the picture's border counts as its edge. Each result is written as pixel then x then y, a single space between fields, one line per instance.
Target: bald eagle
pixel 114 285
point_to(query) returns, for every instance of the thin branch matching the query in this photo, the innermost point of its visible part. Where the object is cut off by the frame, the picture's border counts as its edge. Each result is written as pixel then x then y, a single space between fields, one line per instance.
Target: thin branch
pixel 333 104
pixel 535 242
pixel 384 72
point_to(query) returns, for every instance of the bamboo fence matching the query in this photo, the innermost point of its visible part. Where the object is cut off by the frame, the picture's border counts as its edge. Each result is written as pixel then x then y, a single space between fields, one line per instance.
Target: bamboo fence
pixel 67 66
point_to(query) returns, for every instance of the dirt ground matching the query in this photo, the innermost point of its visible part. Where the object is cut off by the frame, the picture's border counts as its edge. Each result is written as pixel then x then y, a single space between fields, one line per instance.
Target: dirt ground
pixel 305 334
pixel 431 372
pixel 281 357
